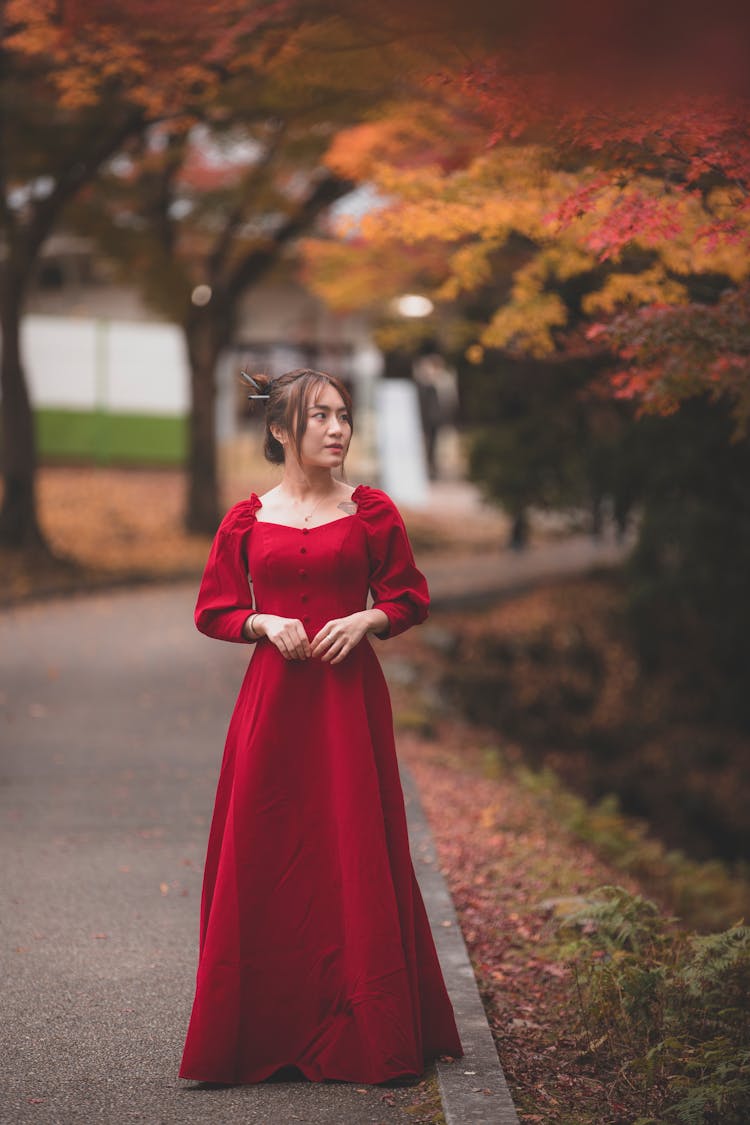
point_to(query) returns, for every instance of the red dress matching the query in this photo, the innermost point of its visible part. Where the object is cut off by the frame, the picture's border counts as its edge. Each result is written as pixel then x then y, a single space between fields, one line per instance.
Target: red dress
pixel 315 949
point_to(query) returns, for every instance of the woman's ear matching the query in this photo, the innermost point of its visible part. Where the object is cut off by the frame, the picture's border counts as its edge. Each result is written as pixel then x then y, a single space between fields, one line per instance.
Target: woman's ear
pixel 279 434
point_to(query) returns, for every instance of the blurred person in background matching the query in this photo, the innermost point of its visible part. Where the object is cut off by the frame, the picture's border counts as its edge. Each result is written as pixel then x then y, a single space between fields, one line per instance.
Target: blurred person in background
pixel 437 388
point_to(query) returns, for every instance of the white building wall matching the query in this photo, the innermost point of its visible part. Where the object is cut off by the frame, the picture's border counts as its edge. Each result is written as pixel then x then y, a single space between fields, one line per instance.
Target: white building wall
pixel 79 363
pixel 59 358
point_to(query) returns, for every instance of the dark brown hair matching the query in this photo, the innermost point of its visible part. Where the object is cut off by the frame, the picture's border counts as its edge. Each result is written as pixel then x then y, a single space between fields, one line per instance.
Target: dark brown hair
pixel 288 399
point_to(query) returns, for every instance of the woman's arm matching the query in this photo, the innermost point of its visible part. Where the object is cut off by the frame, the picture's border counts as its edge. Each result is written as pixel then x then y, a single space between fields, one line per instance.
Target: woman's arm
pixel 225 598
pixel 399 589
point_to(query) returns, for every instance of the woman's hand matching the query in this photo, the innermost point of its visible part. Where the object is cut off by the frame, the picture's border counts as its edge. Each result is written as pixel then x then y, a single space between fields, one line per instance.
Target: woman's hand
pixel 287 634
pixel 337 638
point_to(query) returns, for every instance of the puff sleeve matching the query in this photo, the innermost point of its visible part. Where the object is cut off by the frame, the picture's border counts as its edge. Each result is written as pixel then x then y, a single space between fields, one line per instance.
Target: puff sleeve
pixel 225 599
pixel 398 587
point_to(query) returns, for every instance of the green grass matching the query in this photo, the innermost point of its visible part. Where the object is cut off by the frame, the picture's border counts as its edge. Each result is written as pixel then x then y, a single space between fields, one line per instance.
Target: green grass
pixel 111 438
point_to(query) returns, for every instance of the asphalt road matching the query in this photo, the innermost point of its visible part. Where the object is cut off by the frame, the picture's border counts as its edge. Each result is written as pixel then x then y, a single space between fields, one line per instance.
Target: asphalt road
pixel 113 711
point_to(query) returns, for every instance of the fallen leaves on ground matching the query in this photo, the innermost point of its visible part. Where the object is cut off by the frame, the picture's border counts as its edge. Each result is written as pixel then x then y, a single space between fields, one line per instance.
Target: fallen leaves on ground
pixel 507 866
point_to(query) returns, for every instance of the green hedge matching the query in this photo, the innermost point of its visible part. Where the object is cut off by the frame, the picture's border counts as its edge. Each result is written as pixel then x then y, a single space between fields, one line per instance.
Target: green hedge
pixel 116 438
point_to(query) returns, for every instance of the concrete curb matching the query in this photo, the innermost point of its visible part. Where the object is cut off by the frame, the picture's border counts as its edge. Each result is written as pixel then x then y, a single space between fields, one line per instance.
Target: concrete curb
pixel 473 1089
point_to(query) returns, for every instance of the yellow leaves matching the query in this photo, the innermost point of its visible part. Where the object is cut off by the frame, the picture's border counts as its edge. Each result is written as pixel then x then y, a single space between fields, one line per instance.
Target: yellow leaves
pixel 567 259
pixel 367 151
pixel 651 285
pixel 512 218
pixel 526 321
pixel 353 152
pixel 469 268
pixel 413 223
pixel 484 200
pixel 406 138
pixel 525 324
pixel 356 275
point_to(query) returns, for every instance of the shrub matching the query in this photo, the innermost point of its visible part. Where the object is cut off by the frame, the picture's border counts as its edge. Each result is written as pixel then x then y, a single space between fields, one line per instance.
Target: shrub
pixel 663 1011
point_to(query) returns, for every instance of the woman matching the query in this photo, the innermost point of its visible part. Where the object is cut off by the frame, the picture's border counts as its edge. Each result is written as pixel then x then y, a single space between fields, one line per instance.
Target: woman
pixel 315 950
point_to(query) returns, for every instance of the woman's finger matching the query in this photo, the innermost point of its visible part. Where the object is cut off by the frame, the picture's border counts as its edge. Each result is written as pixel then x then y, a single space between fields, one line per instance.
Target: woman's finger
pixel 340 655
pixel 326 634
pixel 304 644
pixel 337 650
pixel 299 641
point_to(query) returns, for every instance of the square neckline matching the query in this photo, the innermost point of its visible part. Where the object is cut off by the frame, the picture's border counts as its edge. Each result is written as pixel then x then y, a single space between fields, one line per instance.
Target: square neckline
pixel 316 527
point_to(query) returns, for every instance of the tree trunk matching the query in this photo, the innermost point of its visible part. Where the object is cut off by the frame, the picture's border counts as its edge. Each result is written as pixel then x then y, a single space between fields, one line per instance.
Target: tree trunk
pixel 203 512
pixel 19 524
pixel 209 328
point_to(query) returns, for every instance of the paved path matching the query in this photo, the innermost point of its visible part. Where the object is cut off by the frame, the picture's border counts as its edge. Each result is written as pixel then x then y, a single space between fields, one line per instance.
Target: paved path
pixel 112 717
pixel 466 580
pixel 113 712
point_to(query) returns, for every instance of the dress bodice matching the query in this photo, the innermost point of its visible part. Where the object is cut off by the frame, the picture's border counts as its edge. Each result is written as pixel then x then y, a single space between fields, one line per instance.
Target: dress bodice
pixel 314 574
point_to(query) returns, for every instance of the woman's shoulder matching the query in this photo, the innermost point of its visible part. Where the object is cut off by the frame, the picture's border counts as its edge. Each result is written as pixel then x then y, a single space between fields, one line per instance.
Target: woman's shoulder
pixel 374 504
pixel 241 515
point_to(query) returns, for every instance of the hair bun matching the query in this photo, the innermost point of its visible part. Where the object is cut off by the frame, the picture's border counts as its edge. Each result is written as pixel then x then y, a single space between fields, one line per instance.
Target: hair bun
pixel 259 385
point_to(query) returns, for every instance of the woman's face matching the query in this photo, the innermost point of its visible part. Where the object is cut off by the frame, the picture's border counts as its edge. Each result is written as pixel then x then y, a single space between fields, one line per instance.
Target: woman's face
pixel 325 442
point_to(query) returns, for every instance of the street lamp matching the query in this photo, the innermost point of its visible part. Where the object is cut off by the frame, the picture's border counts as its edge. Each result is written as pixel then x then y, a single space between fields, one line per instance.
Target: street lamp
pixel 413 305
pixel 201 295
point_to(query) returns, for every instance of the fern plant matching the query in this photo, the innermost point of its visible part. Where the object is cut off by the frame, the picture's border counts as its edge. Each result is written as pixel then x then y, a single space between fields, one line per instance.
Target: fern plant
pixel 666 1013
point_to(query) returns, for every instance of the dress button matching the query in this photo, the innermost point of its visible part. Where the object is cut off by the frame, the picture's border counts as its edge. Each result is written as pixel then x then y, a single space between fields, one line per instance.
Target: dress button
pixel 303 574
pixel 306 620
pixel 305 530
pixel 303 550
pixel 303 597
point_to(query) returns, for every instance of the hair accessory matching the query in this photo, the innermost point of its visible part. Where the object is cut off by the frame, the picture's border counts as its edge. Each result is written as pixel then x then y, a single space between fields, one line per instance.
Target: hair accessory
pixel 252 383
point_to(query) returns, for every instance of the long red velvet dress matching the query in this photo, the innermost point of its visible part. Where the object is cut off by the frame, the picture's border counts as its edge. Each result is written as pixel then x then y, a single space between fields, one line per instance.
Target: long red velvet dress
pixel 315 949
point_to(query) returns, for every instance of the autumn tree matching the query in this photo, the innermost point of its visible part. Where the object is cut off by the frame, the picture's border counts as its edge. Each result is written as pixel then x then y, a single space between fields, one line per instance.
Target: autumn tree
pixel 534 213
pixel 77 84
pixel 196 217
pixel 559 212
pixel 581 216
pixel 197 214
pixel 274 78
pixel 615 147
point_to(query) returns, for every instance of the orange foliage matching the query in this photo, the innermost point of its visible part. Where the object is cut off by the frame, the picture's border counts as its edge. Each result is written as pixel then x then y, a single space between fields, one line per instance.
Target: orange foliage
pixel 635 190
pixel 156 51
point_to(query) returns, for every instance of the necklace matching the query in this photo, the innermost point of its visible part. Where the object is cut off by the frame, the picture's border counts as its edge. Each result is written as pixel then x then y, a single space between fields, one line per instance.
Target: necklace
pixel 327 496
pixel 310 515
pixel 314 509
